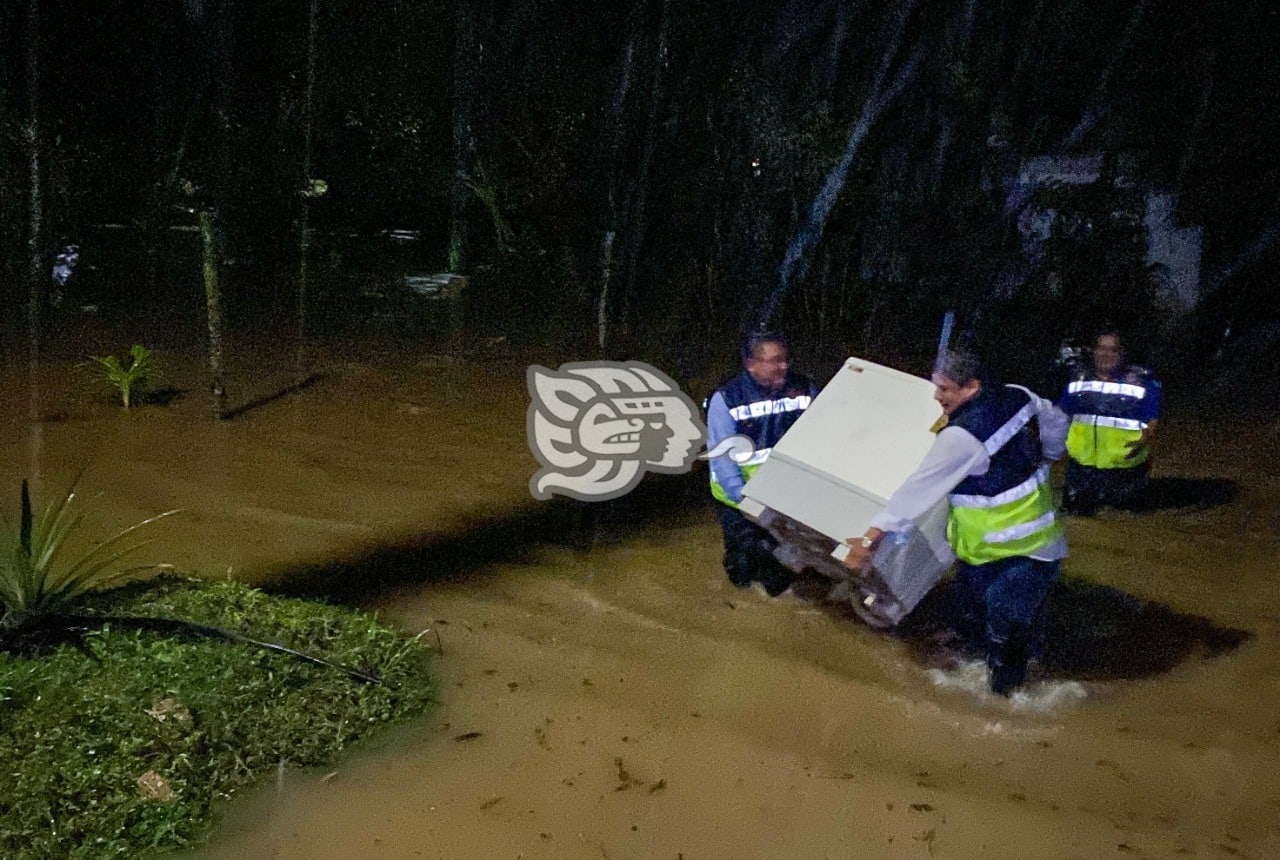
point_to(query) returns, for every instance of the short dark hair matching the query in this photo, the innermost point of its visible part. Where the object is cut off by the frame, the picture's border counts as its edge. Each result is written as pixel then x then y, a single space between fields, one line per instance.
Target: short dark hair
pixel 1109 332
pixel 754 341
pixel 962 367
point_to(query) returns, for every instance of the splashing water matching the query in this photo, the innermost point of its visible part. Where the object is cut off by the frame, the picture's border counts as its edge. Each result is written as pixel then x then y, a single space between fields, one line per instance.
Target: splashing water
pixel 973 678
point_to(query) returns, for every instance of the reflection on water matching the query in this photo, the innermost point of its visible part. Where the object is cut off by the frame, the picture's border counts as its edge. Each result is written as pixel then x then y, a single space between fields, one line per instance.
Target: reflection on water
pixel 619 698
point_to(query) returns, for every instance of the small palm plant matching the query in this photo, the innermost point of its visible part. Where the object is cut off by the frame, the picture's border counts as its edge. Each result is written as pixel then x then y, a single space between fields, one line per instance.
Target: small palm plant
pixel 127 380
pixel 32 584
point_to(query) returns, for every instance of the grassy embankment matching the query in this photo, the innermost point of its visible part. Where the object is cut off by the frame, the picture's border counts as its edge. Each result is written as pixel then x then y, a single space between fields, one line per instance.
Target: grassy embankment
pixel 134 741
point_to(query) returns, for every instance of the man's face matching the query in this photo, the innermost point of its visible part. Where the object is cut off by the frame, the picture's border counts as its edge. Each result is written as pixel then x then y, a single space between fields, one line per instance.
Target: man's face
pixel 1106 354
pixel 768 365
pixel 951 394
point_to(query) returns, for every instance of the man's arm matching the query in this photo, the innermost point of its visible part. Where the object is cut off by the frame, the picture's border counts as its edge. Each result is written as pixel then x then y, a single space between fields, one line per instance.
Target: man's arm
pixel 954 456
pixel 1053 421
pixel 1137 446
pixel 1150 415
pixel 720 425
pixel 1151 402
pixel 1054 424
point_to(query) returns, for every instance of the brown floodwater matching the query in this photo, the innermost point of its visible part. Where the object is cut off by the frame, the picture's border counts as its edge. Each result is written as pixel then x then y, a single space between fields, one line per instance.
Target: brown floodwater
pixel 606 693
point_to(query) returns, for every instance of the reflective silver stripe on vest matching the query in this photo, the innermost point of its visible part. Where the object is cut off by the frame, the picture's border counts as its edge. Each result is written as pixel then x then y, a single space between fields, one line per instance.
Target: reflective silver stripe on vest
pixel 761 408
pixel 1021 491
pixel 1108 421
pixel 1124 389
pixel 1021 530
pixel 1010 429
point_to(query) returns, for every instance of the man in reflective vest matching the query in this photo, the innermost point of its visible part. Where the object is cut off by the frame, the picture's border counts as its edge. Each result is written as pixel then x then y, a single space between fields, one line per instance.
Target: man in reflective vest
pixel 992 461
pixel 761 403
pixel 1114 409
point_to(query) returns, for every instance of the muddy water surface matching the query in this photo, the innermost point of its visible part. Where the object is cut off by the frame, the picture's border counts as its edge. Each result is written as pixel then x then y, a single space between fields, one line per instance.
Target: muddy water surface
pixel 607 693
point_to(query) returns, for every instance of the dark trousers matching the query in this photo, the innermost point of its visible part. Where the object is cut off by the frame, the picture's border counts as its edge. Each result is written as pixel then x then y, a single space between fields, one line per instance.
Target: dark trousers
pixel 748 553
pixel 1088 488
pixel 999 604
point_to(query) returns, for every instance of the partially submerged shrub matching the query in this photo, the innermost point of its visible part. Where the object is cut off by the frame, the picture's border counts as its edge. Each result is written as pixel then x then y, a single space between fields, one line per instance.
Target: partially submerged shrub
pixel 132 379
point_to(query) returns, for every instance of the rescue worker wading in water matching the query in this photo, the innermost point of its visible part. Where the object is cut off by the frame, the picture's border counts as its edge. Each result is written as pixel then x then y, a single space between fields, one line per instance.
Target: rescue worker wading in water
pixel 992 461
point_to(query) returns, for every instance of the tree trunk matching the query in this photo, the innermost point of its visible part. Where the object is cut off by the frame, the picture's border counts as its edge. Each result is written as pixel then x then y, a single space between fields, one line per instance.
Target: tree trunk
pixel 1098 103
pixel 611 198
pixel 464 83
pixel 835 47
pixel 149 225
pixel 223 85
pixel 304 240
pixel 656 92
pixel 169 172
pixel 960 35
pixel 1024 54
pixel 602 304
pixel 213 307
pixel 35 232
pixel 879 97
pixel 797 23
pixel 1243 259
pixel 35 207
pixel 1202 110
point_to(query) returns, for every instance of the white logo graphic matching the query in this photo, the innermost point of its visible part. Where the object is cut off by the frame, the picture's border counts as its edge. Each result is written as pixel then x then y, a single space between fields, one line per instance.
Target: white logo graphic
pixel 597 426
pixel 739 448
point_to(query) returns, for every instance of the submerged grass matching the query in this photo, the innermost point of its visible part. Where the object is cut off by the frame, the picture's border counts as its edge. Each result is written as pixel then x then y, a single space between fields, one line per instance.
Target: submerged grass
pixel 132 746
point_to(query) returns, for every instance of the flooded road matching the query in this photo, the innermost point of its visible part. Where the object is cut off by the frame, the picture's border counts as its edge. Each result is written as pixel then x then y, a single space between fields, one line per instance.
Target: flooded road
pixel 607 693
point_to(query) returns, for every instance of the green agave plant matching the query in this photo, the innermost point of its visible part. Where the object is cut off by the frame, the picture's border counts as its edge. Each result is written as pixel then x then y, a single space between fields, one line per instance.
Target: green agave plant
pixel 37 594
pixel 32 583
pixel 128 379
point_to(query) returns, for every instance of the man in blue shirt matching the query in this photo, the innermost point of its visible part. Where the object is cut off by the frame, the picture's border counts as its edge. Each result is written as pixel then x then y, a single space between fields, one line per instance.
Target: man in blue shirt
pixel 760 403
pixel 1115 409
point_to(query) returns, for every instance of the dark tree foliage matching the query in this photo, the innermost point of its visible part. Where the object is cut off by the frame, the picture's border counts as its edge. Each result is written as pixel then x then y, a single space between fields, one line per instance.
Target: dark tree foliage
pixel 705 169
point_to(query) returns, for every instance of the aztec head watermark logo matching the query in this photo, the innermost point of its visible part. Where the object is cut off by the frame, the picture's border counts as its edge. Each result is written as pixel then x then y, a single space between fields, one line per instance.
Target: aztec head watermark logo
pixel 597 426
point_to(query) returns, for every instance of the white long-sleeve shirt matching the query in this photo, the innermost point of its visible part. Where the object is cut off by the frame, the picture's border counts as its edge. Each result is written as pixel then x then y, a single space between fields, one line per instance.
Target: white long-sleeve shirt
pixel 957 454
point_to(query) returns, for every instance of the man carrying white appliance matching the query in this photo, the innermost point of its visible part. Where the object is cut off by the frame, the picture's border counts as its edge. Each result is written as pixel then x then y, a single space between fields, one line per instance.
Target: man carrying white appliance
pixel 760 403
pixel 992 461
